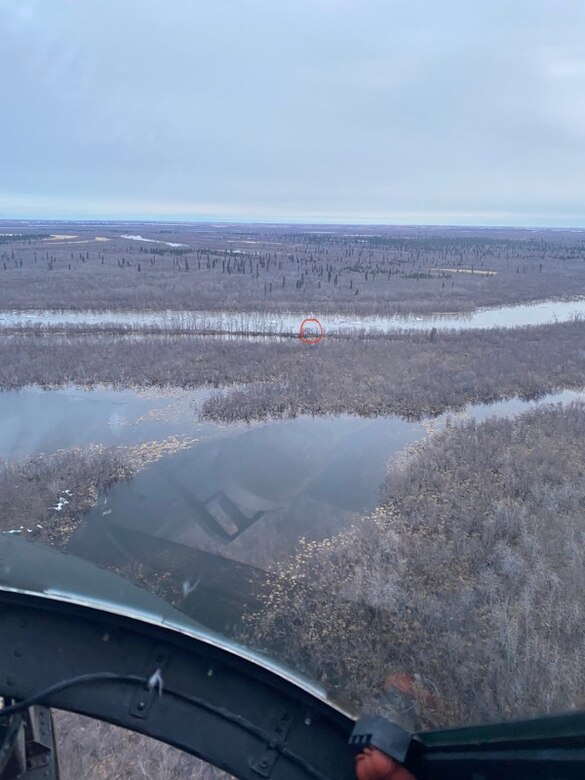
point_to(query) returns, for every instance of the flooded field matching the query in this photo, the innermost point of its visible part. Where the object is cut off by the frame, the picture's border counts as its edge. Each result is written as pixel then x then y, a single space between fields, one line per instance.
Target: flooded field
pixel 238 497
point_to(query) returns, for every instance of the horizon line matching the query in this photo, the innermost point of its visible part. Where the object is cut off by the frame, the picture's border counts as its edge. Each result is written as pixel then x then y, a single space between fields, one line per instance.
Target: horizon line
pixel 276 222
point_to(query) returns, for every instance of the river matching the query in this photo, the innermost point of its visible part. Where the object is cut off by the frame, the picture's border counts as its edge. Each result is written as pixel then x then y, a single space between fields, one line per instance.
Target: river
pixel 287 323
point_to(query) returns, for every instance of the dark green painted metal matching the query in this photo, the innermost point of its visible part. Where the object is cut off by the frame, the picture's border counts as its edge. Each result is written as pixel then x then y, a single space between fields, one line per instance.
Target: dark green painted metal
pixel 232 707
pixel 548 728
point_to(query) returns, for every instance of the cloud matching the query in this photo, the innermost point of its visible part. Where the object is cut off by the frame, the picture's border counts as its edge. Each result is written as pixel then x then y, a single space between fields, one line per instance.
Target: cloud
pixel 383 107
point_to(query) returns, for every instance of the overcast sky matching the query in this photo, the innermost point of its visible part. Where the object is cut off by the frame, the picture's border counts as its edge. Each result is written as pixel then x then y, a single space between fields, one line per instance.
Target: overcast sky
pixel 443 111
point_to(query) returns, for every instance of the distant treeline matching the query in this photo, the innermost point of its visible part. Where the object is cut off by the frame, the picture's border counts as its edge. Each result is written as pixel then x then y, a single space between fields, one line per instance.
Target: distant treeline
pixel 461 599
pixel 410 375
pixel 258 268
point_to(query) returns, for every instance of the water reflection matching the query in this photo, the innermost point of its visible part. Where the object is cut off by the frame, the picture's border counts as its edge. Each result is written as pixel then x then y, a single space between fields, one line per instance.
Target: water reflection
pixel 203 525
pixel 288 323
pixel 36 421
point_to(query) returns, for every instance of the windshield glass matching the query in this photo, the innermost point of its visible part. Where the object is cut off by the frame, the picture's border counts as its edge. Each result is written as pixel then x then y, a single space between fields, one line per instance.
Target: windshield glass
pixel 291 332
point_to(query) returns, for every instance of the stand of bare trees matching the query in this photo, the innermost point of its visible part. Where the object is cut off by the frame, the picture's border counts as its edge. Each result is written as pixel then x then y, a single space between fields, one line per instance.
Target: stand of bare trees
pixel 410 375
pixel 373 270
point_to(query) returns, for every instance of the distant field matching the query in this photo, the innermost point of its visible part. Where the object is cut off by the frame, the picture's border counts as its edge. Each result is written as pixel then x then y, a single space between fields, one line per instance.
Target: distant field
pixel 301 268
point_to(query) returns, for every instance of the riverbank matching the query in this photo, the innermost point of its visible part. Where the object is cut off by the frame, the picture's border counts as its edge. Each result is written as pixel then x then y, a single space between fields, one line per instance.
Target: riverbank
pixel 46 497
pixel 251 324
pixel 411 375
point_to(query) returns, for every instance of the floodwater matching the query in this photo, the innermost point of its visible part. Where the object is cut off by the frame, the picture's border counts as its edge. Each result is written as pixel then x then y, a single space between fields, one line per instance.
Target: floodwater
pixel 219 513
pixel 37 421
pixel 287 323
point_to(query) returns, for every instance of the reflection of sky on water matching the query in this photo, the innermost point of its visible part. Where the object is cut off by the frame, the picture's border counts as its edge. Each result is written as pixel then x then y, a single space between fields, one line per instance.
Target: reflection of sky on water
pixel 289 323
pixel 35 421
pixel 240 494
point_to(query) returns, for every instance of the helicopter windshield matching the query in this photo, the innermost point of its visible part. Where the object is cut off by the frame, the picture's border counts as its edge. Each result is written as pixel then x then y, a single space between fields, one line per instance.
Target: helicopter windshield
pixel 291 333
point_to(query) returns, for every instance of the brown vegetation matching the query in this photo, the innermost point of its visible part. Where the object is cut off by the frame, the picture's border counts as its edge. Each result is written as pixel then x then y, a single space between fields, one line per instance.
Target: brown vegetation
pixel 44 498
pixel 410 374
pixel 469 580
pixel 367 270
pixel 461 598
pixel 93 750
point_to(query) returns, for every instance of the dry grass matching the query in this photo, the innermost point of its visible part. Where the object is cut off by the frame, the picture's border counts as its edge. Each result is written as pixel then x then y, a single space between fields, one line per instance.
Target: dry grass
pixel 45 497
pixel 469 580
pixel 92 750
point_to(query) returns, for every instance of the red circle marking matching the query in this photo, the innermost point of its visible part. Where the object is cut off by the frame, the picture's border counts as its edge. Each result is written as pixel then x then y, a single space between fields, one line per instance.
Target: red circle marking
pixel 315 339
